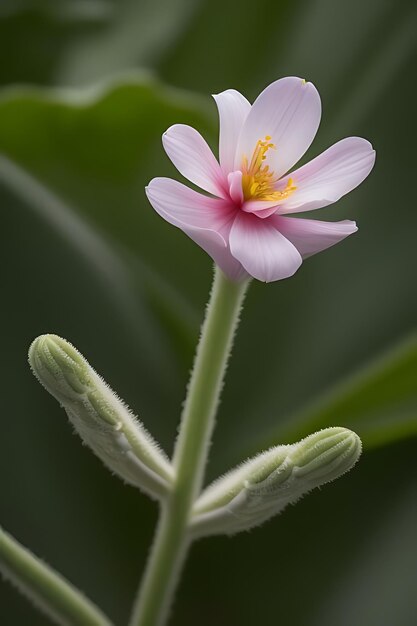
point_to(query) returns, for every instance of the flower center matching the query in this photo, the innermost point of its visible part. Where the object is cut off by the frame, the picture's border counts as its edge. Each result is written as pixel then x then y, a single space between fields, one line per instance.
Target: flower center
pixel 258 180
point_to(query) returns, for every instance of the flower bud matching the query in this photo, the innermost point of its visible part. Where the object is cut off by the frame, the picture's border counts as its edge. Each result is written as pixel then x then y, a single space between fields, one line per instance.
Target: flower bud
pixel 101 419
pixel 263 486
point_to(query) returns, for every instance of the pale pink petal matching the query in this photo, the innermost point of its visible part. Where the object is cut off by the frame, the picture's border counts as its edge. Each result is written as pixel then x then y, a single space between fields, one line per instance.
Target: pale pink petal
pixel 205 220
pixel 235 187
pixel 194 159
pixel 183 206
pixel 262 250
pixel 329 176
pixel 312 236
pixel 220 254
pixel 288 111
pixel 233 109
pixel 261 208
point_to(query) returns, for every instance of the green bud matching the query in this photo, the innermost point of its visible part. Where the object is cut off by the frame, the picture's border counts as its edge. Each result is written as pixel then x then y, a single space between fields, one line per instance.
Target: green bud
pixel 263 486
pixel 101 419
pixel 59 367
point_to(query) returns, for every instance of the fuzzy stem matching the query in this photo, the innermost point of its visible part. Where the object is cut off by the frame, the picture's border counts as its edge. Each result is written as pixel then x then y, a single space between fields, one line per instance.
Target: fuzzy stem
pixel 191 451
pixel 49 591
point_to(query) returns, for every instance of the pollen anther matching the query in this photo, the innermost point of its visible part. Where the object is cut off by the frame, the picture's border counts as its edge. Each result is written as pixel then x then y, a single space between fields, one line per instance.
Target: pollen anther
pixel 258 181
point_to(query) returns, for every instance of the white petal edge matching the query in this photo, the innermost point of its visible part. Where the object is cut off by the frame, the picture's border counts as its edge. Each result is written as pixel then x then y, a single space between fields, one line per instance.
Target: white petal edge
pixel 313 236
pixel 262 250
pixel 289 111
pixel 233 110
pixel 329 176
pixel 193 158
pixel 205 220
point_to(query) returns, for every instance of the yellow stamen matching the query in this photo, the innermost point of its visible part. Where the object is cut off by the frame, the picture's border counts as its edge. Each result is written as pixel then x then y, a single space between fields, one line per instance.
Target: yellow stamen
pixel 258 181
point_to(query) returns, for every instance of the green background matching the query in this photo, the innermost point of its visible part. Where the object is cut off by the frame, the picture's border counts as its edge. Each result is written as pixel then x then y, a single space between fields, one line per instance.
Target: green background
pixel 87 89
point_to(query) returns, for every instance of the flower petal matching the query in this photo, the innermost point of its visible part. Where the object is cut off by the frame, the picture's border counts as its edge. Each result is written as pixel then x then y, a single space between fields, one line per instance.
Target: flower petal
pixel 288 111
pixel 183 206
pixel 312 236
pixel 233 110
pixel 205 220
pixel 262 250
pixel 235 187
pixel 194 159
pixel 331 175
pixel 261 208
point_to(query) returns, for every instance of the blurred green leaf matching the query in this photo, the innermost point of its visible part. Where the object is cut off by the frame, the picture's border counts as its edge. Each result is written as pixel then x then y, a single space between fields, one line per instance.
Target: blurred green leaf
pixel 139 33
pixel 95 150
pixel 379 402
pixel 35 34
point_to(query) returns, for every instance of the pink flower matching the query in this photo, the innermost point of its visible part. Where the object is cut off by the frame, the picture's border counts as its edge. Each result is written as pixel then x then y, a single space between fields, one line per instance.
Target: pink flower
pixel 242 223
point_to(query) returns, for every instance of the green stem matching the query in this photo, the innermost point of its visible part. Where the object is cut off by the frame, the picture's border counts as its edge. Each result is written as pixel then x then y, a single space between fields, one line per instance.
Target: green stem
pixel 49 591
pixel 191 452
